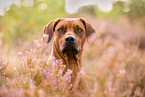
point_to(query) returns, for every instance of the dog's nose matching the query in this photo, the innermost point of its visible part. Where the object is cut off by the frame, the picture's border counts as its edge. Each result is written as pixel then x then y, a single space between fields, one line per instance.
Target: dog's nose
pixel 69 38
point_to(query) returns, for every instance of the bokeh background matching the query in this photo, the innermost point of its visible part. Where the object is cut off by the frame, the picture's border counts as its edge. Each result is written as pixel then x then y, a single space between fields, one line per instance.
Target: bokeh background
pixel 117 56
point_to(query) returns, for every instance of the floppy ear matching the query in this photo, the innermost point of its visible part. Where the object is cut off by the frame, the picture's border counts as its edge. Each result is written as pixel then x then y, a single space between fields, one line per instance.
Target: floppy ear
pixel 48 30
pixel 89 29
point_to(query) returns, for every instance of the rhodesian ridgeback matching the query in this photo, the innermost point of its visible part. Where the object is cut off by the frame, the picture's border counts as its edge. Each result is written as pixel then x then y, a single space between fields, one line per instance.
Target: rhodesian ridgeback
pixel 69 37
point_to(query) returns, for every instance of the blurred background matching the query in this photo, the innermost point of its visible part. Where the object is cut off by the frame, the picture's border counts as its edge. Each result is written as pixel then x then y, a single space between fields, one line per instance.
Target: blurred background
pixel 116 57
pixel 22 21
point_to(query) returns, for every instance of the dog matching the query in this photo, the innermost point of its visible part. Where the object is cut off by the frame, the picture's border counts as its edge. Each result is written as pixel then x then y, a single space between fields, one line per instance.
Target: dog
pixel 69 37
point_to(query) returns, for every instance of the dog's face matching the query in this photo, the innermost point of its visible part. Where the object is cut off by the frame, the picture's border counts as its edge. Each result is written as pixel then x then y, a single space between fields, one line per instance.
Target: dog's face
pixel 70 34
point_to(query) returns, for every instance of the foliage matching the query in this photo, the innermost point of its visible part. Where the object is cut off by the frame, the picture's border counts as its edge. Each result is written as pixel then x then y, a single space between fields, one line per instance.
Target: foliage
pixel 25 22
pixel 136 9
pixel 132 9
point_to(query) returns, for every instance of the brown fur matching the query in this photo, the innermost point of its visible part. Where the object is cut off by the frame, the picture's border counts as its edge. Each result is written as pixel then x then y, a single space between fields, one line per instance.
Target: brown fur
pixel 70 26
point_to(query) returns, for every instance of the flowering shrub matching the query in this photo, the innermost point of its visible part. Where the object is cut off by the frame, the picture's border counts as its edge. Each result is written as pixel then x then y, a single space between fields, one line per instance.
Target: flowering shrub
pixel 111 70
pixel 36 77
pixel 3 66
pixel 117 70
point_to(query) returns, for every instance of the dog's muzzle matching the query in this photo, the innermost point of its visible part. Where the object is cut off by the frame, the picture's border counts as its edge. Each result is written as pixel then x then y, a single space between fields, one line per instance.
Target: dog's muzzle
pixel 70 46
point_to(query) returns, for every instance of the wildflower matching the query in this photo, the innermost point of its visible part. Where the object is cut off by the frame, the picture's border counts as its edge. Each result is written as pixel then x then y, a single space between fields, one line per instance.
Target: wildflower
pixel 122 71
pixel 40 91
pixel 82 72
pixel 109 36
pixel 58 80
pixel 35 41
pixel 63 66
pixel 70 86
pixel 59 62
pixel 111 49
pixel 31 81
pixel 56 87
pixel 69 71
pixel 51 74
pixel 105 91
pixel 53 61
pixel 31 50
pixel 60 72
pixel 38 45
pixel 14 68
pixel 19 54
pixel 69 79
pixel 44 74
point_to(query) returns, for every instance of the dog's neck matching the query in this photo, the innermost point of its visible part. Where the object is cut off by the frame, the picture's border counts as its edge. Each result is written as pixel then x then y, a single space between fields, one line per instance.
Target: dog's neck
pixel 71 60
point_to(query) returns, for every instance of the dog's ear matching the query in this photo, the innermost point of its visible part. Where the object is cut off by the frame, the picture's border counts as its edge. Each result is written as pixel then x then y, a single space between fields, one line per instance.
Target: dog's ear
pixel 48 30
pixel 89 29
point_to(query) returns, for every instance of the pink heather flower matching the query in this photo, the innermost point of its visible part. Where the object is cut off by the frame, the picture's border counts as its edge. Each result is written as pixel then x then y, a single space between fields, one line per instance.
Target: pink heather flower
pixel 105 91
pixel 53 58
pixel 60 77
pixel 69 79
pixel 63 66
pixel 56 87
pixel 35 41
pixel 109 36
pixel 38 45
pixel 60 72
pixel 54 63
pixel 122 71
pixel 31 81
pixel 19 54
pixel 69 71
pixel 40 91
pixel 59 62
pixel 31 50
pixel 51 74
pixel 58 80
pixel 70 86
pixel 82 72
pixel 5 91
pixel 14 68
pixel 44 74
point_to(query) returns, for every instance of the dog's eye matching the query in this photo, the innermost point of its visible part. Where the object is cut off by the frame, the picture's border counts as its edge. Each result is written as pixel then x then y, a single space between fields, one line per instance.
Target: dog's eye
pixel 60 30
pixel 79 30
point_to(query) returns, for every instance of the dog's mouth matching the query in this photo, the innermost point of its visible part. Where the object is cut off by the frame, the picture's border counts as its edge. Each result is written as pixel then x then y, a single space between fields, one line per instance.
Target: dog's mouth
pixel 69 48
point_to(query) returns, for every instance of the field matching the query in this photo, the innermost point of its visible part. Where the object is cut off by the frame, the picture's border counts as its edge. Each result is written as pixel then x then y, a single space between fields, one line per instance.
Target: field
pixel 113 62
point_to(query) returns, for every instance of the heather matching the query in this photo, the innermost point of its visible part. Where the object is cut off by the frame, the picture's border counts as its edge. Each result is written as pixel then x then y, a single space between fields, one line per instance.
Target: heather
pixel 110 69
pixel 113 62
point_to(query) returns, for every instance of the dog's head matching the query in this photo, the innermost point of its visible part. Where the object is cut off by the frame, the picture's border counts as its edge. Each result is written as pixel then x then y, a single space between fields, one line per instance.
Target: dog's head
pixel 69 34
